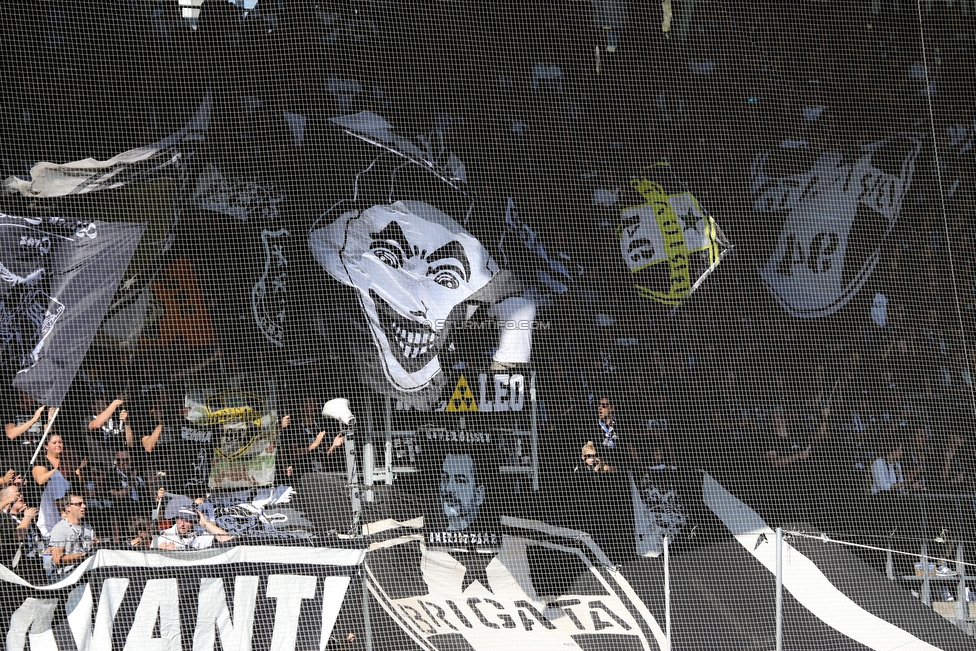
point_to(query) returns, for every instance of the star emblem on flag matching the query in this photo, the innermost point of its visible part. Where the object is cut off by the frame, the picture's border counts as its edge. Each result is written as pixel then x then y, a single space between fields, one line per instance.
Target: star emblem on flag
pixel 475 565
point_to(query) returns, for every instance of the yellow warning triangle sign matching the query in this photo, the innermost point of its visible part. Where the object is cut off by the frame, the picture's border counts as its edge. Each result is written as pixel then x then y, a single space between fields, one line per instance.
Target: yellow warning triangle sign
pixel 462 399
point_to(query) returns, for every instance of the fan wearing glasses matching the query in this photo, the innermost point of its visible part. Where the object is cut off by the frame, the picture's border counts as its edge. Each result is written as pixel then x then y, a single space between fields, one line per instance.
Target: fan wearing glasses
pixel 610 444
pixel 590 461
pixel 71 538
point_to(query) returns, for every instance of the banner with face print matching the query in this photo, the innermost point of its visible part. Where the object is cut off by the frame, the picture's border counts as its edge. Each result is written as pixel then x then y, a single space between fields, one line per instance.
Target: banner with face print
pixel 833 213
pixel 412 265
pixel 657 511
pixel 460 491
pixel 399 242
pixel 668 242
pixel 238 421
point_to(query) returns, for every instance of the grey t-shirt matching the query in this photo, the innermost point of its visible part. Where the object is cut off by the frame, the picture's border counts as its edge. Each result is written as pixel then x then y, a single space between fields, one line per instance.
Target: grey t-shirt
pixel 74 538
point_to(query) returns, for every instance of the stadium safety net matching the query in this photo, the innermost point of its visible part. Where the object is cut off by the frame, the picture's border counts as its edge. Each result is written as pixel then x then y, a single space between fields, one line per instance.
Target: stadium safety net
pixel 465 326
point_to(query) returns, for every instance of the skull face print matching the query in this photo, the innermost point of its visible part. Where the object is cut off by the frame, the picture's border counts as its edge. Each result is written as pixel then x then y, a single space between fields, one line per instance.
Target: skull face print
pixel 411 265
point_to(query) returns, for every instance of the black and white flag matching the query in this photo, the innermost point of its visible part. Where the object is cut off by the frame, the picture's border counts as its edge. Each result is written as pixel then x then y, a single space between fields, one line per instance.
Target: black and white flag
pixel 538 586
pixel 668 242
pixel 57 278
pixel 285 598
pixel 833 213
pixel 401 239
pixel 658 512
pixel 160 159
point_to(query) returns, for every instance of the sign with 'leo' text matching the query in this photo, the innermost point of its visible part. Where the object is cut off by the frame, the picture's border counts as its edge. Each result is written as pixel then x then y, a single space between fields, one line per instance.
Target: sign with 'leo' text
pixel 499 392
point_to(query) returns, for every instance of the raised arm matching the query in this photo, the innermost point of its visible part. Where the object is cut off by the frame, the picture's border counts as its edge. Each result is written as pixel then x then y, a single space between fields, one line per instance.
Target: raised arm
pixel 149 442
pixel 41 474
pixel 211 527
pixel 25 523
pixel 13 431
pixel 130 439
pixel 337 442
pixel 103 417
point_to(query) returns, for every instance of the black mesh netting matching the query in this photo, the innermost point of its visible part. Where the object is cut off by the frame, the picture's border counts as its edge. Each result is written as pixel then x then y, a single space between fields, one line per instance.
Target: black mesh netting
pixel 460 326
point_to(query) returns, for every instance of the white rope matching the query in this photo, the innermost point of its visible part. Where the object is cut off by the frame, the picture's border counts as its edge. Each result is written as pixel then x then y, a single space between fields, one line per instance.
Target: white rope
pixel 824 538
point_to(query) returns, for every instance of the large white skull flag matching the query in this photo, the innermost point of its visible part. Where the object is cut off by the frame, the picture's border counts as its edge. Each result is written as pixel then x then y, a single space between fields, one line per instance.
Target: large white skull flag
pixel 406 236
pixel 412 265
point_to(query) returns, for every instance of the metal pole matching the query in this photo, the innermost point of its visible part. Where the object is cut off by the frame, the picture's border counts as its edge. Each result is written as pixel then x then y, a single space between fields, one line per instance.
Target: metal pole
pixel 368 458
pixel 926 581
pixel 388 441
pixel 47 430
pixel 962 606
pixel 779 589
pixel 667 591
pixel 352 475
pixel 535 435
pixel 889 562
pixel 366 627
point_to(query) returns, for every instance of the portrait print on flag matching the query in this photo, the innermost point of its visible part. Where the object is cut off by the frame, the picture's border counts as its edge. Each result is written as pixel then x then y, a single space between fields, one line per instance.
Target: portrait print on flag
pixel 667 241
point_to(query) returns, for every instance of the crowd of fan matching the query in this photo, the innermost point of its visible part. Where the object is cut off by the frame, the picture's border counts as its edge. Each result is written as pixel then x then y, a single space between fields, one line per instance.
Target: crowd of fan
pixel 730 382
pixel 121 476
pixel 785 404
pixel 814 422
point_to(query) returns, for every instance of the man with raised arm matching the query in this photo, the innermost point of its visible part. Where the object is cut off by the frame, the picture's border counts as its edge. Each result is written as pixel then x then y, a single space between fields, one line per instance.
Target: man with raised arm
pixel 183 536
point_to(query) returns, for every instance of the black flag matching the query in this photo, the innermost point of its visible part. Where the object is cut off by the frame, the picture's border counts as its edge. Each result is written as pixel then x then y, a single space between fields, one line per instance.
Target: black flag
pixel 57 278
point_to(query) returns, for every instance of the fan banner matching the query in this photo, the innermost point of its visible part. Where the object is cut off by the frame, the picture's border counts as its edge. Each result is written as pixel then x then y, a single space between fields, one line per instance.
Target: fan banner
pixel 231 598
pixel 462 492
pixel 506 592
pixel 668 230
pixel 417 326
pixel 235 198
pixel 161 159
pixel 669 243
pixel 833 214
pixel 419 276
pixel 234 424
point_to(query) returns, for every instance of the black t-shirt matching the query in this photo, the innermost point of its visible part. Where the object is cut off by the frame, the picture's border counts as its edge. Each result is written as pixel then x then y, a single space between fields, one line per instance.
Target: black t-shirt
pixel 112 433
pixel 8 541
pixel 183 452
pixel 166 455
pixel 131 482
pixel 17 416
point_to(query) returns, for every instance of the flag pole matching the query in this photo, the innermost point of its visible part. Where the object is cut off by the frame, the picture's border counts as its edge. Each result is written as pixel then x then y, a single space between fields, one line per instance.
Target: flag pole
pixel 47 430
